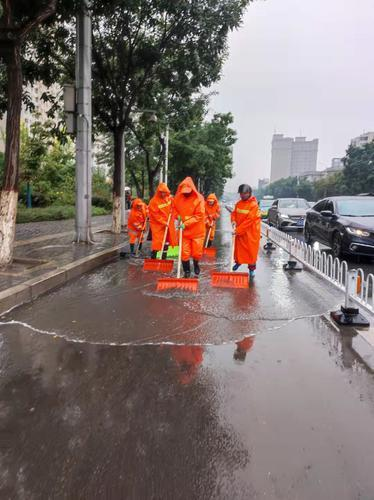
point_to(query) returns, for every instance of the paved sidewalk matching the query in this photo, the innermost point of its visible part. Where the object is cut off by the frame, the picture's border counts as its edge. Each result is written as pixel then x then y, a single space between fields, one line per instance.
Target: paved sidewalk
pixel 43 254
pixel 35 229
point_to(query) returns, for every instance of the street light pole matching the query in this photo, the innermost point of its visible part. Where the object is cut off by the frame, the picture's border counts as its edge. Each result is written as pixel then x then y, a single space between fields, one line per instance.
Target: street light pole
pixel 83 169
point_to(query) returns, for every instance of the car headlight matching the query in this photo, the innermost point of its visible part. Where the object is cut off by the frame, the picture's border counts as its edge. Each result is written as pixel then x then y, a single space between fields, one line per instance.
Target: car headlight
pixel 358 232
pixel 284 216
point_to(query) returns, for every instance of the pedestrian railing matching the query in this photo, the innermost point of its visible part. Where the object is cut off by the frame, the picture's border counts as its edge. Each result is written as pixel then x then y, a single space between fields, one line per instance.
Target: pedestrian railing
pixel 323 264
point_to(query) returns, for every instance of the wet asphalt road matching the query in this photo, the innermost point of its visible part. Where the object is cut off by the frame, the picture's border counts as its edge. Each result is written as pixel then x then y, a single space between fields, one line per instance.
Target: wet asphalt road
pixel 111 390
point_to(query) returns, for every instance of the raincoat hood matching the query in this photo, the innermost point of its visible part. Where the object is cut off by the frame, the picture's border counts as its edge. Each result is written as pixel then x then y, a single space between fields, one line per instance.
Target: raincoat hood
pixel 212 197
pixel 162 188
pixel 137 203
pixel 187 182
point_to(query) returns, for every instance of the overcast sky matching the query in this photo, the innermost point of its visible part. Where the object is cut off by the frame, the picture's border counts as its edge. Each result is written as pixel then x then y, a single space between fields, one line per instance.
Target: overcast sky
pixel 298 66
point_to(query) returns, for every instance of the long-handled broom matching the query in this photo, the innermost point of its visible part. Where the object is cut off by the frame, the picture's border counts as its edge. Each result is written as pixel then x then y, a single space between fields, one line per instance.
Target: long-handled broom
pixel 189 284
pixel 210 251
pixel 140 241
pixel 165 266
pixel 230 279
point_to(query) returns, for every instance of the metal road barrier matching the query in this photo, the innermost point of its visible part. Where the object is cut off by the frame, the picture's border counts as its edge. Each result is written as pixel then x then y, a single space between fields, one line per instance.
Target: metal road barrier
pixel 333 270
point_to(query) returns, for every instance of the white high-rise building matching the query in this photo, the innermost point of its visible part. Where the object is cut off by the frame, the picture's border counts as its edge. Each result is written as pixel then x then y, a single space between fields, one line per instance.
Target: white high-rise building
pixel 362 139
pixel 292 157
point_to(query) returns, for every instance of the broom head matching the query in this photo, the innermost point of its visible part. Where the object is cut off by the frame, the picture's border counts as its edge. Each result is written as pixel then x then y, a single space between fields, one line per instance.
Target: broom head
pixel 230 280
pixel 164 266
pixel 210 252
pixel 187 284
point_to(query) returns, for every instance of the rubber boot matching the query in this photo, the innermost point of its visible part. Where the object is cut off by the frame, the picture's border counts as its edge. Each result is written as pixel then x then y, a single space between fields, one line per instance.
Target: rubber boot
pixel 252 271
pixel 196 267
pixel 132 249
pixel 165 252
pixel 154 254
pixel 186 268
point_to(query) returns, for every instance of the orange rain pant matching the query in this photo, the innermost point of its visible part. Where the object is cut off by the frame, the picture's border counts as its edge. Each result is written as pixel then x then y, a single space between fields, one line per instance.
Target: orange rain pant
pixel 212 232
pixel 192 247
pixel 134 236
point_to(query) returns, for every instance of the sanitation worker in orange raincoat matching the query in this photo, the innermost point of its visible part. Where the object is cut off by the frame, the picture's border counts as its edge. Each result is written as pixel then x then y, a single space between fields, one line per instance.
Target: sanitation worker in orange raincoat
pixel 189 205
pixel 212 213
pixel 160 208
pixel 246 218
pixel 136 224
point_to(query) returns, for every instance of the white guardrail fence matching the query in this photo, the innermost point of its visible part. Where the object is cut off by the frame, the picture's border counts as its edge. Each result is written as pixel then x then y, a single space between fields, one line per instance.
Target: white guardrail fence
pixel 333 270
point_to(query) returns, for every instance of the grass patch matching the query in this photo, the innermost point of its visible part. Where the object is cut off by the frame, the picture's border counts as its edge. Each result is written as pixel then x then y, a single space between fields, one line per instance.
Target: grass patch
pixel 52 213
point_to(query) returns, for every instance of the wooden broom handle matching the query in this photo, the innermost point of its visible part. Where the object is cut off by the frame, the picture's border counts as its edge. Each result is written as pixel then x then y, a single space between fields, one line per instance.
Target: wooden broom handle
pixel 165 234
pixel 232 248
pixel 180 252
pixel 208 238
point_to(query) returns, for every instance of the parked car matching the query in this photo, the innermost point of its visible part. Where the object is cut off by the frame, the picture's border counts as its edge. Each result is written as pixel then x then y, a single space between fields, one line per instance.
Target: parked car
pixel 265 205
pixel 288 213
pixel 344 223
pixel 311 204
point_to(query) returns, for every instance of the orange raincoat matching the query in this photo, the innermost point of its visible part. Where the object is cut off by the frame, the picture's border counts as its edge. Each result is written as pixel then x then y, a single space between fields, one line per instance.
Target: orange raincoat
pixel 212 213
pixel 137 218
pixel 247 217
pixel 191 209
pixel 159 211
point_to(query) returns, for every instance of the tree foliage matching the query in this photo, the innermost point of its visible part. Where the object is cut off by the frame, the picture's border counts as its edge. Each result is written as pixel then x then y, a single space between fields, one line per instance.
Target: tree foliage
pixel 204 152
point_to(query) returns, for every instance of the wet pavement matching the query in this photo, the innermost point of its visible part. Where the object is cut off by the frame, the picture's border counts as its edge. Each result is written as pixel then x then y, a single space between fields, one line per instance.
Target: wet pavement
pixel 30 230
pixel 39 257
pixel 112 390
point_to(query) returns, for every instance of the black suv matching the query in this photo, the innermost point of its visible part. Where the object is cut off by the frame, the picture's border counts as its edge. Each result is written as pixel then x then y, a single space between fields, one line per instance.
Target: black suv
pixel 344 223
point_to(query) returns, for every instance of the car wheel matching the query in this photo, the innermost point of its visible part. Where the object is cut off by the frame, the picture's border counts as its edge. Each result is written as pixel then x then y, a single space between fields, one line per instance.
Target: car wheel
pixel 336 246
pixel 308 235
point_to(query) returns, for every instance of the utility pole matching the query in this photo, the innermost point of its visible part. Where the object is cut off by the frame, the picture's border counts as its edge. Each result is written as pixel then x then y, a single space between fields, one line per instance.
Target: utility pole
pixel 83 169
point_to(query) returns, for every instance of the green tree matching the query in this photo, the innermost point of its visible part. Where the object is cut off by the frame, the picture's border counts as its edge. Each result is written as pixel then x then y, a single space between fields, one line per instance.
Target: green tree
pixel 142 46
pixel 18 20
pixel 358 173
pixel 204 152
pixel 34 147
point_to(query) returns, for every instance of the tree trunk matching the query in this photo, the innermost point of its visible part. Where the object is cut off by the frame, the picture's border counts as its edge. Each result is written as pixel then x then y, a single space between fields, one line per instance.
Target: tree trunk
pixel 135 181
pixel 9 192
pixel 117 179
pixel 151 182
pixel 143 184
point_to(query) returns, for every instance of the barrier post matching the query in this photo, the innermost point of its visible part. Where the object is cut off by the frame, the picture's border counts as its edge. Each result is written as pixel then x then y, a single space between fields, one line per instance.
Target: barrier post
pixel 348 315
pixel 292 263
pixel 269 245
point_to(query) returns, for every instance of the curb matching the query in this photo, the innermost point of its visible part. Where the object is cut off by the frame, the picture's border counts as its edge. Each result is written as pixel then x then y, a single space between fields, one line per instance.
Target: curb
pixel 35 287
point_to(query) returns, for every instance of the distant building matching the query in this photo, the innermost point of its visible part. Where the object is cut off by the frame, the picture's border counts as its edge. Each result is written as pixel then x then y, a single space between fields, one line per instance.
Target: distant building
pixel 292 157
pixel 362 140
pixel 337 165
pixel 40 113
pixel 263 183
pixel 313 175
